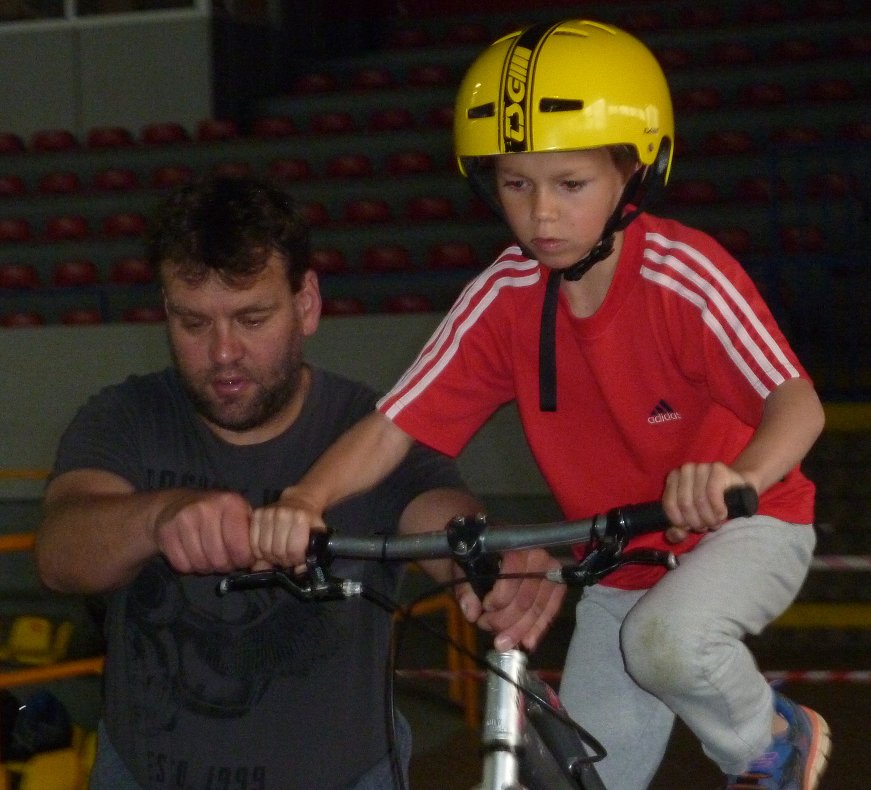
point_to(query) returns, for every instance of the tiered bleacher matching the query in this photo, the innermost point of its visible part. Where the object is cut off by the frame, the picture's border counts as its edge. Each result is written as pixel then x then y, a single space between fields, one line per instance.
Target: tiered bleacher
pixel 772 105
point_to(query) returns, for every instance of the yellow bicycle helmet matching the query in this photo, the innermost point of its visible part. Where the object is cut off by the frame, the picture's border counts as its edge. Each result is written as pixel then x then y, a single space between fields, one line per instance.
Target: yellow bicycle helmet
pixel 562 87
pixel 565 86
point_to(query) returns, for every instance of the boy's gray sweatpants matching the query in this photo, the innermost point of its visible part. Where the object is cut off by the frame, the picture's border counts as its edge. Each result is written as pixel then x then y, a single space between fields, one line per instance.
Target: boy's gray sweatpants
pixel 637 658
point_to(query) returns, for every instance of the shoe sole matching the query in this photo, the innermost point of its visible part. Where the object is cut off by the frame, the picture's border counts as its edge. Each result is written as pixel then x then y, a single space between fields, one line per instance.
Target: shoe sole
pixel 820 747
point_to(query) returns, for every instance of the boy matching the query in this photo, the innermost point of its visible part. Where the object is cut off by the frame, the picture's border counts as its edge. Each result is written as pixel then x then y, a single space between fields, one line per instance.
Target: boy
pixel 645 365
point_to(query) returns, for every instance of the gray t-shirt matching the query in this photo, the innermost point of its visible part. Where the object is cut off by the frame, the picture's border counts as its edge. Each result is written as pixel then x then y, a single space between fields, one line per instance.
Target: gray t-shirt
pixel 254 689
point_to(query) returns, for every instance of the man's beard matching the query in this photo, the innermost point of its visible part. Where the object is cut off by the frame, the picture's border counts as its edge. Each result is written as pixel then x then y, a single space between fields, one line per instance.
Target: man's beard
pixel 266 404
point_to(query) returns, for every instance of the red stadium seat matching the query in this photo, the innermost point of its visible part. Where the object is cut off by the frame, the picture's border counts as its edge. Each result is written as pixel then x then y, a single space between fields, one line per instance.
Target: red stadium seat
pixel 408 303
pixel 213 130
pixel 82 316
pixel 796 135
pixel 409 38
pixel 232 169
pixel 671 58
pixel 391 119
pixel 643 21
pixel 729 142
pixel 426 208
pixel 75 273
pixel 333 122
pixel 694 191
pixel 124 223
pixel 59 182
pixel 372 78
pixel 430 75
pixel 116 179
pixel 21 319
pixel 736 240
pixel 858 43
pixel 328 260
pixel 15 229
pixel 12 186
pixel 67 227
pixel 802 238
pixel 18 275
pixel 764 13
pixel 797 50
pixel 144 315
pixel 364 211
pixel 732 53
pixel 165 133
pixel 441 116
pixel 11 143
pixel 760 189
pixel 171 176
pixel 452 255
pixel 413 162
pixel 856 131
pixel 53 140
pixel 315 82
pixel 832 184
pixel 831 89
pixel 290 169
pixel 109 137
pixel 382 258
pixel 350 166
pixel 467 33
pixel 343 306
pixel 273 126
pixel 131 270
pixel 697 99
pixel 763 94
pixel 315 213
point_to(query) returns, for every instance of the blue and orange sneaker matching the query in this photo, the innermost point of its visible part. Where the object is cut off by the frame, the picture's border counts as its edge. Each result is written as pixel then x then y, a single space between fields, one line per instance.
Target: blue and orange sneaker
pixel 793 761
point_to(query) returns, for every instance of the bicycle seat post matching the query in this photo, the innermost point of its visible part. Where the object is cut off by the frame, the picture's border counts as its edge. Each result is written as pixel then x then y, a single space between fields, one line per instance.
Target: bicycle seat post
pixel 502 730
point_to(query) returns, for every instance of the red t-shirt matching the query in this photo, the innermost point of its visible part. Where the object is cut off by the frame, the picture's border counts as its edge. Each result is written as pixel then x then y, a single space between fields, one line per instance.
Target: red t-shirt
pixel 674 367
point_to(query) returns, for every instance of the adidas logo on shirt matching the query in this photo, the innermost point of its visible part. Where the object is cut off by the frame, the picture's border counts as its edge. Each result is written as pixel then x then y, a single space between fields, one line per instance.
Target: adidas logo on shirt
pixel 662 412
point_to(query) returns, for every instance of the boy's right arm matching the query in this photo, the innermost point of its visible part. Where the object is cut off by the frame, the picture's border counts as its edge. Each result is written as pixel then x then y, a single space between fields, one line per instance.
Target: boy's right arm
pixel 97 532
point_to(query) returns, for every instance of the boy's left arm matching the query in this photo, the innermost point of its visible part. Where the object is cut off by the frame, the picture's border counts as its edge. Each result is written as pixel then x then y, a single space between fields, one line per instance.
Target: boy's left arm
pixel 792 419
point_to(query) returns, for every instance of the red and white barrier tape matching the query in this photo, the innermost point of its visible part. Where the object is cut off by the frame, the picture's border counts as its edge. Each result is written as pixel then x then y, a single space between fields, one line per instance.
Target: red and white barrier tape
pixel 553 675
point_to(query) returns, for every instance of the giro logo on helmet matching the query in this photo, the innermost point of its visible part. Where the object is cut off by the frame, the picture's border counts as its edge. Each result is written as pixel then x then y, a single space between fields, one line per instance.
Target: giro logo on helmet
pixel 515 89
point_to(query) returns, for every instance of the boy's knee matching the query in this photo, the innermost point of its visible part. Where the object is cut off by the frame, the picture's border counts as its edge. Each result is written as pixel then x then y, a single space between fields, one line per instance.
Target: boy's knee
pixel 661 652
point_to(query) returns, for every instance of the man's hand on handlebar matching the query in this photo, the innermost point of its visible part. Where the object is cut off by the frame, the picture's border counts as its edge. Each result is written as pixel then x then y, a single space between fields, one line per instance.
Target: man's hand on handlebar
pixel 280 531
pixel 517 611
pixel 693 498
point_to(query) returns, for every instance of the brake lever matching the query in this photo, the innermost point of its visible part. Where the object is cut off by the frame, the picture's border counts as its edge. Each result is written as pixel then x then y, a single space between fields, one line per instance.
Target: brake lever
pixel 601 562
pixel 317 585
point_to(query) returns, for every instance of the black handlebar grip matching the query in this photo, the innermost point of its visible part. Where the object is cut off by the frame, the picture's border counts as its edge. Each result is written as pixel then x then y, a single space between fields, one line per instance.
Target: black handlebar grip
pixel 650 517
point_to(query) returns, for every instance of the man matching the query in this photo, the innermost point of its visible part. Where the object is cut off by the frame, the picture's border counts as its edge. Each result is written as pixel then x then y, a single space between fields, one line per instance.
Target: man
pixel 151 501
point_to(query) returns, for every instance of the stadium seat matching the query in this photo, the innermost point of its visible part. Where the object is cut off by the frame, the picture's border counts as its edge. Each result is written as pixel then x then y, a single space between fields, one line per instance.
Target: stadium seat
pixel 760 189
pixel 409 38
pixel 736 240
pixel 315 82
pixel 171 176
pixel 694 191
pixel 343 306
pixel 144 315
pixel 328 260
pixel 391 119
pixel 796 135
pixel 831 89
pixel 764 13
pixel 18 275
pixel 408 303
pixel 333 122
pixel 22 318
pixel 466 33
pixel 411 162
pixel 796 50
pixel 164 133
pixel 383 258
pixel 802 238
pixel 441 116
pixel 430 75
pixel 426 208
pixel 116 179
pixel 131 270
pixel 350 166
pixel 858 131
pixel 673 57
pixel 15 229
pixel 67 227
pixel 289 169
pixel 643 21
pixel 372 78
pixel 11 143
pixel 53 140
pixel 364 211
pixel 273 126
pixel 452 255
pixel 59 182
pixel 315 213
pixel 763 94
pixel 82 316
pixel 832 184
pixel 109 137
pixel 729 142
pixel 74 273
pixel 12 186
pixel 211 130
pixel 732 53
pixel 124 223
pixel 230 169
pixel 856 43
pixel 697 99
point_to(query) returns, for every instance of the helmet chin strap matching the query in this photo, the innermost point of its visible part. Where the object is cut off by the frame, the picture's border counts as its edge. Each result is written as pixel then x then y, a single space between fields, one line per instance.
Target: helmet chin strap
pixel 618 220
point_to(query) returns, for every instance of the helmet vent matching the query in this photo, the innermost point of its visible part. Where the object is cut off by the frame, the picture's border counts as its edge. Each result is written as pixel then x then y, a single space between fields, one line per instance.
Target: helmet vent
pixel 482 111
pixel 560 105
